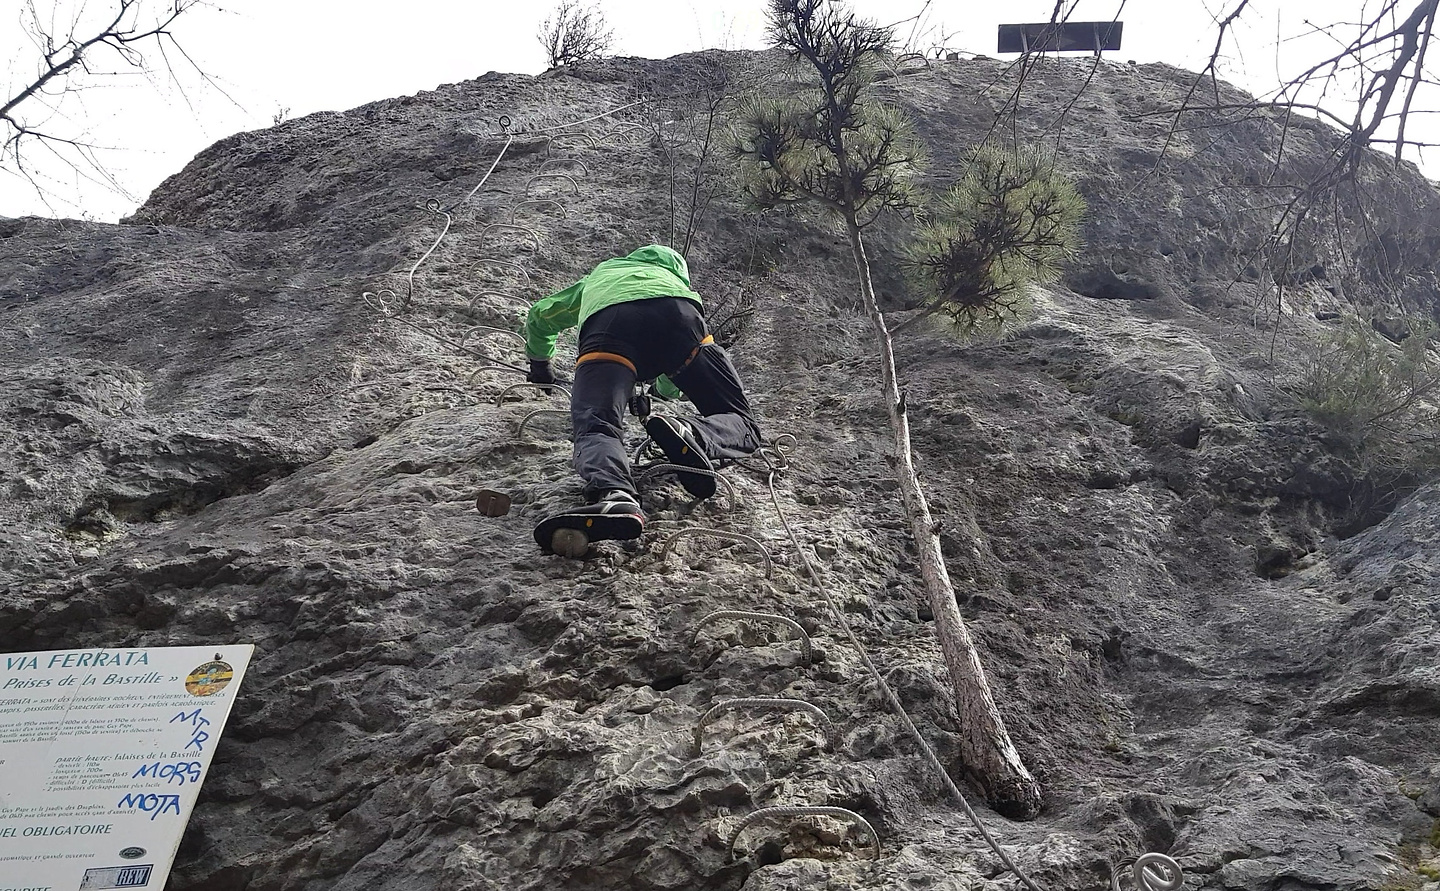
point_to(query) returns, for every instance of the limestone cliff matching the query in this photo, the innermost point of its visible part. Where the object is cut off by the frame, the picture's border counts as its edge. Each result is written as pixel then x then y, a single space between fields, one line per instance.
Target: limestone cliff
pixel 1204 642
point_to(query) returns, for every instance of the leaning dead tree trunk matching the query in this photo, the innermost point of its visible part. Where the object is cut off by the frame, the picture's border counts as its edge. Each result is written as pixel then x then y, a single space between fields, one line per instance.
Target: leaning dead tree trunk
pixel 986 747
pixel 829 146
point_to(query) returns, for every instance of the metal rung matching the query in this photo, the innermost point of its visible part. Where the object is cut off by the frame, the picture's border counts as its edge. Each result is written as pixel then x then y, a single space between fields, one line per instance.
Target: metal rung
pixel 626 128
pixel 583 169
pixel 635 458
pixel 805 646
pixel 769 704
pixel 550 142
pixel 500 400
pixel 564 214
pixel 539 176
pixel 470 381
pixel 767 813
pixel 536 413
pixel 680 468
pixel 719 533
pixel 487 330
pixel 506 263
pixel 511 297
pixel 526 229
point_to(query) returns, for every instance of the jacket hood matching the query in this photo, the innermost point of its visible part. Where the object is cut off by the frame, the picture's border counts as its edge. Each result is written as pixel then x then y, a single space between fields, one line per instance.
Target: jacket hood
pixel 664 257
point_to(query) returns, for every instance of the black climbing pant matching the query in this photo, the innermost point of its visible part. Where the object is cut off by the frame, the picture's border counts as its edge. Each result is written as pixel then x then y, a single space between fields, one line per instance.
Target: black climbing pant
pixel 661 335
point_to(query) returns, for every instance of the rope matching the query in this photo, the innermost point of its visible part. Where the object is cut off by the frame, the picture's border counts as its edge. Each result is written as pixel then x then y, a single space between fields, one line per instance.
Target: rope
pixel 890 696
pixel 603 114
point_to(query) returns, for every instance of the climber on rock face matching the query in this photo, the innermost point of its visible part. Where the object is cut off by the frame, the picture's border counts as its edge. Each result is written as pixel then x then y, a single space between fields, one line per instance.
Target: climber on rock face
pixel 639 321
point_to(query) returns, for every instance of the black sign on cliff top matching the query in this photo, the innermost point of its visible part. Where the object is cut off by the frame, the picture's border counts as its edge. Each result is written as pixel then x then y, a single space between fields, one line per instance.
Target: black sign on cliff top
pixel 1061 37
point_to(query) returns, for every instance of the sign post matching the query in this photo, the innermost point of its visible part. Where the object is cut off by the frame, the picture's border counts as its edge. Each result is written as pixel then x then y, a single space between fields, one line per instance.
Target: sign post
pixel 102 753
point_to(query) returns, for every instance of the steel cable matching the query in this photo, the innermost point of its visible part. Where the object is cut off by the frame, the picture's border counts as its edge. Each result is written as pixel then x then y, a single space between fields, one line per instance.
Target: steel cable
pixel 890 695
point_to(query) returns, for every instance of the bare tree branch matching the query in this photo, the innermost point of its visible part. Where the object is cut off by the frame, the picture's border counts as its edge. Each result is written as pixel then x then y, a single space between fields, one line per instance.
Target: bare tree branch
pixel 69 57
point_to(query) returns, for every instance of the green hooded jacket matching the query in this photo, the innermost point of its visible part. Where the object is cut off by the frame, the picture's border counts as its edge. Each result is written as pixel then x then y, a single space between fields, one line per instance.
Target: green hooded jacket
pixel 652 271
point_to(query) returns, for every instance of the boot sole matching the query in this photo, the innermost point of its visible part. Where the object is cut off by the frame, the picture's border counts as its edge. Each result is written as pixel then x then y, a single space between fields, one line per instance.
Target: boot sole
pixel 678 451
pixel 570 535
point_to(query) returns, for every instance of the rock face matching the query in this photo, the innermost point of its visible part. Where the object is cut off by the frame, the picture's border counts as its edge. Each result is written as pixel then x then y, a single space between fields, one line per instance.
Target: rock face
pixel 1200 642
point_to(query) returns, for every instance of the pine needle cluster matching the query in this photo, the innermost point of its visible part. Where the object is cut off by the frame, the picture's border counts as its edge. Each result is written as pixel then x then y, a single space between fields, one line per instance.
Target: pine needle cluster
pixel 1012 221
pixel 828 144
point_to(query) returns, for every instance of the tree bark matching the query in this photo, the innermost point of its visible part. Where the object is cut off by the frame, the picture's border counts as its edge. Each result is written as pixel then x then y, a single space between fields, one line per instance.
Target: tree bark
pixel 989 755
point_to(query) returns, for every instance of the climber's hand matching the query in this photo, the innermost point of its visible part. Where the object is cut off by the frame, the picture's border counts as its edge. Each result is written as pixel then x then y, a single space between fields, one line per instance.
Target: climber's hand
pixel 542 373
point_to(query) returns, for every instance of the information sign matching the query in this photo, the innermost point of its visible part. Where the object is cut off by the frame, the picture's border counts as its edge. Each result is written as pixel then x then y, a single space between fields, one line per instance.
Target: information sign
pixel 102 753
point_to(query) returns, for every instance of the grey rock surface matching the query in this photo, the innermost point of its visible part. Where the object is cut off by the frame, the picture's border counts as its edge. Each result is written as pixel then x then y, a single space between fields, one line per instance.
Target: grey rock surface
pixel 1200 644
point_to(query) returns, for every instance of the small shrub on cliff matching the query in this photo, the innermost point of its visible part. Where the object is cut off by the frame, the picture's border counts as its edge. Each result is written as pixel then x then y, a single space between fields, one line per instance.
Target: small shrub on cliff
pixel 575 33
pixel 1012 221
pixel 1379 395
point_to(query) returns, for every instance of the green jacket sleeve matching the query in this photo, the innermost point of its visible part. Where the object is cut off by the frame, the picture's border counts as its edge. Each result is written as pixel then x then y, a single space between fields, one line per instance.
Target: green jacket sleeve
pixel 666 387
pixel 550 316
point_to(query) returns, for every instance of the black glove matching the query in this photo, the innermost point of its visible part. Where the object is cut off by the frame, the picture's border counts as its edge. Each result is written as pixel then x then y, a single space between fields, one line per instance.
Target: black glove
pixel 541 373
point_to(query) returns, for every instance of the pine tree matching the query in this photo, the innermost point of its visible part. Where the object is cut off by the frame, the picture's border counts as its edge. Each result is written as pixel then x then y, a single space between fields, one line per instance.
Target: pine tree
pixel 836 147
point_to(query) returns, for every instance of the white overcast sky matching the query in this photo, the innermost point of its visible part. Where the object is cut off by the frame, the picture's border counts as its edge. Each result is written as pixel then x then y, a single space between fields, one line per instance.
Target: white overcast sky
pixel 303 56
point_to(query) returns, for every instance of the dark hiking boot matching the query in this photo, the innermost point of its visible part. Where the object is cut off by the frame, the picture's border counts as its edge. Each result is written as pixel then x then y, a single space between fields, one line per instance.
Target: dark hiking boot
pixel 616 516
pixel 680 447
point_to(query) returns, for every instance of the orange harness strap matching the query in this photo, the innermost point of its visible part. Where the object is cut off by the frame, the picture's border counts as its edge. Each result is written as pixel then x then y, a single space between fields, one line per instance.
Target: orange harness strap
pixel 709 339
pixel 605 357
pixel 616 357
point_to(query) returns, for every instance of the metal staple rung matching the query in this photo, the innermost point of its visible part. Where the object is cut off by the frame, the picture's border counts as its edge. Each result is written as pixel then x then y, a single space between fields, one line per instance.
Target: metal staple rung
pixel 719 533
pixel 1152 872
pixel 550 141
pixel 470 381
pixel 766 703
pixel 536 413
pixel 526 229
pixel 500 400
pixel 564 214
pixel 511 297
pixel 625 128
pixel 805 646
pixel 487 330
pixel 506 263
pixel 585 171
pixel 766 813
pixel 680 468
pixel 539 176
pixel 635 457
